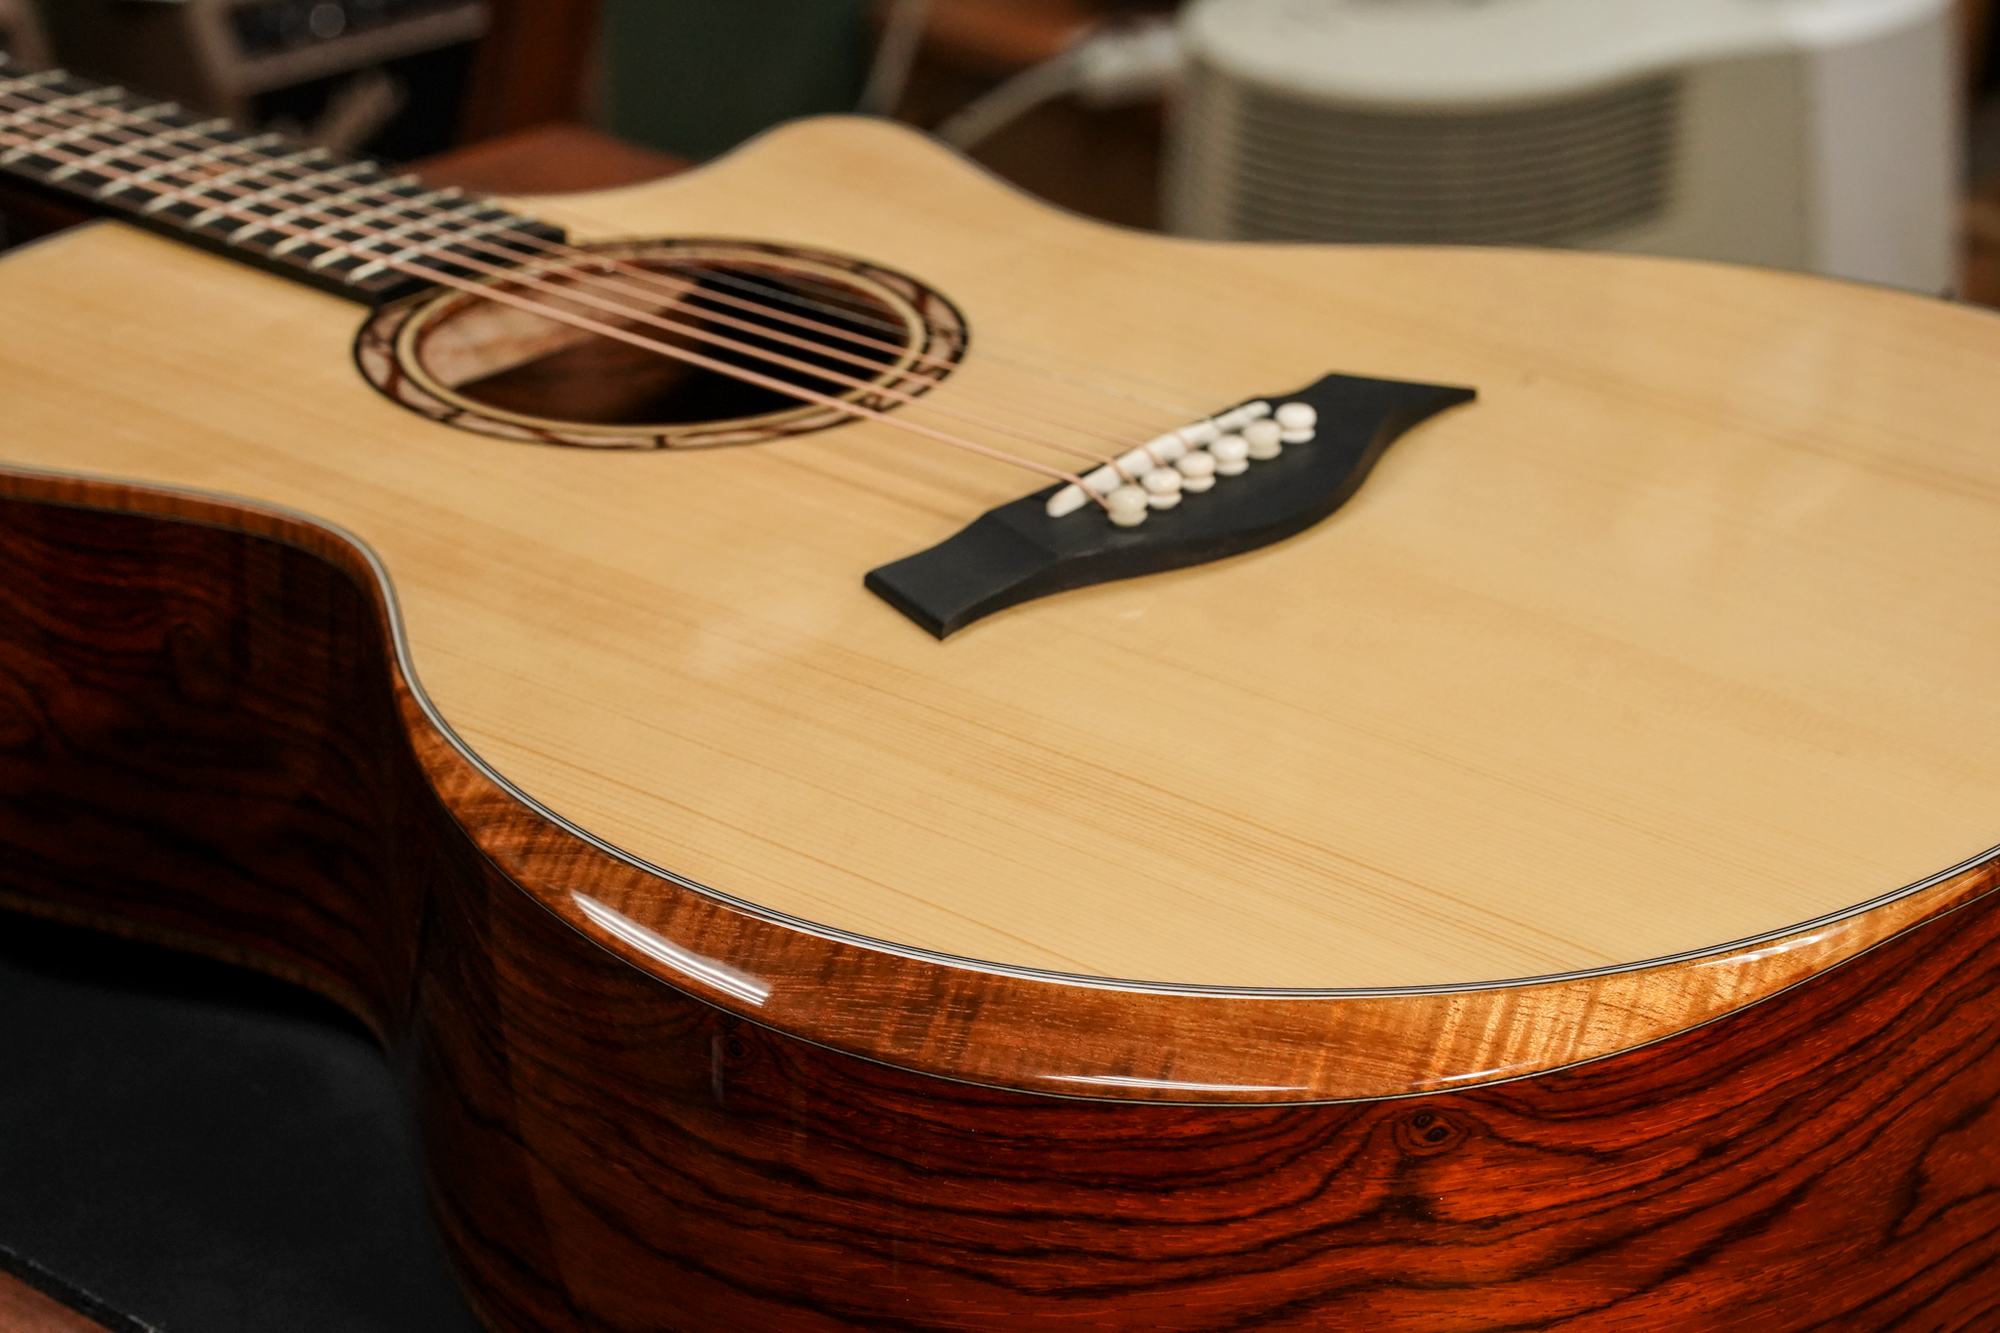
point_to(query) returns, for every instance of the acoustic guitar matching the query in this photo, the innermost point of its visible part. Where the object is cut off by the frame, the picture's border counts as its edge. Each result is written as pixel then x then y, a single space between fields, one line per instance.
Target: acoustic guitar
pixel 890 758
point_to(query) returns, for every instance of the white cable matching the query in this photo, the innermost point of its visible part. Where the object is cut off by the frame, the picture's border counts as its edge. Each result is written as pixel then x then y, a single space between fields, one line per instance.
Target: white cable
pixel 895 57
pixel 983 115
pixel 1134 63
pixel 1105 67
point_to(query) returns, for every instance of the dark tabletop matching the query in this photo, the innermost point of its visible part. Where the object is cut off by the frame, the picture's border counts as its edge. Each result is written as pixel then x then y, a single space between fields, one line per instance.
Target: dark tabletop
pixel 204 1149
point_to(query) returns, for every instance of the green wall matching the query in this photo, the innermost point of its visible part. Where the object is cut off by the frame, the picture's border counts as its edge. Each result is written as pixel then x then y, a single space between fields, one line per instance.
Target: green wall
pixel 696 77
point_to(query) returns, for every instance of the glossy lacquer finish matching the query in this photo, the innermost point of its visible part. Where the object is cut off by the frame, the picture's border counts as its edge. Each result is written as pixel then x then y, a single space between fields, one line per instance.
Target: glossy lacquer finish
pixel 206 741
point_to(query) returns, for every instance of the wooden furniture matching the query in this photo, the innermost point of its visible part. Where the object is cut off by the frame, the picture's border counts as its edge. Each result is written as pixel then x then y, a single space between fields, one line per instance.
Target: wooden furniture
pixel 533 67
pixel 1981 281
pixel 553 157
pixel 1975 26
pixel 1103 162
pixel 21 34
pixel 1553 893
pixel 23 1309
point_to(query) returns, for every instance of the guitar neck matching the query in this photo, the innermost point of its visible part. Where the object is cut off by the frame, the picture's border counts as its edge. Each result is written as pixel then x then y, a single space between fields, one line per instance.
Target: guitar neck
pixel 343 224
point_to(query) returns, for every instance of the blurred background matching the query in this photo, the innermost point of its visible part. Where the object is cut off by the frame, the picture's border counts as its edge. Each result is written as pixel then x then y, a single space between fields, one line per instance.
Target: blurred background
pixel 1854 137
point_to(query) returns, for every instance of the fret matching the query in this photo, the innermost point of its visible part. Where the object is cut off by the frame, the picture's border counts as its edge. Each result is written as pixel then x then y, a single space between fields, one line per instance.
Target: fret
pixel 414 252
pixel 89 129
pixel 342 225
pixel 151 143
pixel 323 233
pixel 26 82
pixel 397 233
pixel 308 158
pixel 60 105
pixel 358 248
pixel 290 215
pixel 277 192
pixel 183 165
pixel 192 191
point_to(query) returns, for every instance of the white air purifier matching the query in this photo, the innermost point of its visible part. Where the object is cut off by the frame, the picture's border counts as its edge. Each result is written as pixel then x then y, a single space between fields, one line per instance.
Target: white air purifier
pixel 1805 134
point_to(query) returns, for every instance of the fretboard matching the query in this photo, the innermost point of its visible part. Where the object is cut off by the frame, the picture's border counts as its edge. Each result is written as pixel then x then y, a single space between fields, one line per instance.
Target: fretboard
pixel 346 225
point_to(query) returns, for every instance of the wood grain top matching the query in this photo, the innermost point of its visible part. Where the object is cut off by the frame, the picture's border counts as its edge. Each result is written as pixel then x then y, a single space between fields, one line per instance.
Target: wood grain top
pixel 1681 635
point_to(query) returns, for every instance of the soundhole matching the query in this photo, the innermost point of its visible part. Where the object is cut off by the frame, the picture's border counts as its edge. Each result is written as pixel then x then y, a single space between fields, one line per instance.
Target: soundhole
pixel 828 325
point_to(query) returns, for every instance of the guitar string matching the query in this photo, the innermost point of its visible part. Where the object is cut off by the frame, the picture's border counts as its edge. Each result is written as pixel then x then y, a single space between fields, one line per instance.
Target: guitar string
pixel 684 292
pixel 689 291
pixel 416 266
pixel 838 303
pixel 850 312
pixel 394 204
pixel 841 304
pixel 683 289
pixel 831 306
pixel 518 273
pixel 526 276
pixel 431 223
pixel 515 275
pixel 404 205
pixel 1147 427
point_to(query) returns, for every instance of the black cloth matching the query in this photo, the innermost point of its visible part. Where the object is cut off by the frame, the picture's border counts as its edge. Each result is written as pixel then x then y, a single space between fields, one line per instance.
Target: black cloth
pixel 204 1149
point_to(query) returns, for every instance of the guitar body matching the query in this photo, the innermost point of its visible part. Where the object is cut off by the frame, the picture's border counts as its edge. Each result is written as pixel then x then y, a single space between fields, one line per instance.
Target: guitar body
pixel 1552 893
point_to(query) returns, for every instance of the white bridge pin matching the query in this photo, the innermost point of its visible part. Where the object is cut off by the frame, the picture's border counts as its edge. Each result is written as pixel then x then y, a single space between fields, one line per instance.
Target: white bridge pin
pixel 1128 506
pixel 1066 501
pixel 1297 421
pixel 1265 438
pixel 1157 473
pixel 1197 471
